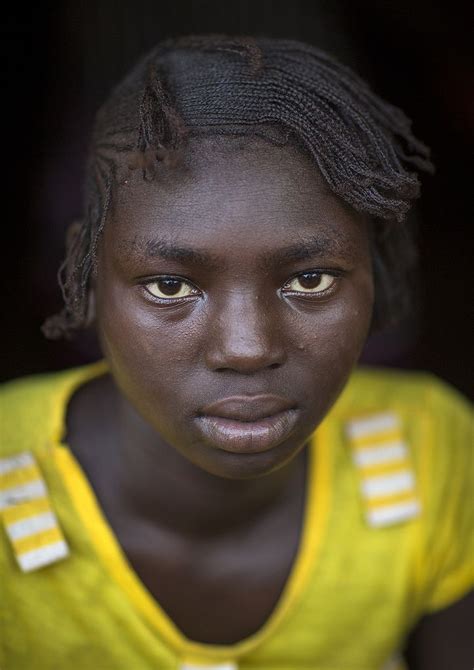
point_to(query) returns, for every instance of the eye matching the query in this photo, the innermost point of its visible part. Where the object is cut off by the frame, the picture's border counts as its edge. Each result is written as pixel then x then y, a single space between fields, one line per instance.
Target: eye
pixel 311 283
pixel 171 288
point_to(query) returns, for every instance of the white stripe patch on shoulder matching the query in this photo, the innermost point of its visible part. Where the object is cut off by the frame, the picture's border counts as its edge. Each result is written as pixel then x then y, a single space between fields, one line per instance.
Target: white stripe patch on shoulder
pixel 25 509
pixel 372 425
pixel 388 514
pixel 387 485
pixel 38 558
pixel 384 453
pixel 31 525
pixel 18 494
pixel 382 458
pixel 23 460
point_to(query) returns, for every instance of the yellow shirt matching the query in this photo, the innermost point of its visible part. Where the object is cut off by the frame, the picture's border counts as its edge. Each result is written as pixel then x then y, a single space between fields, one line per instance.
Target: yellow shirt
pixel 387 537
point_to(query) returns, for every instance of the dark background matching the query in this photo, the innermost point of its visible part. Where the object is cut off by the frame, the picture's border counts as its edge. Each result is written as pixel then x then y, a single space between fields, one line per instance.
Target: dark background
pixel 61 60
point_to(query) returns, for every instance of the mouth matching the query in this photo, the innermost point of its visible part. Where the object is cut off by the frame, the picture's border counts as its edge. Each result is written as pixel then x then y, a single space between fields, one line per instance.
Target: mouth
pixel 247 424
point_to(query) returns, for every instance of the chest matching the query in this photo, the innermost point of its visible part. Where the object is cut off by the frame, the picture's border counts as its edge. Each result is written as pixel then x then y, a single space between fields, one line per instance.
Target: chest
pixel 216 591
pixel 223 591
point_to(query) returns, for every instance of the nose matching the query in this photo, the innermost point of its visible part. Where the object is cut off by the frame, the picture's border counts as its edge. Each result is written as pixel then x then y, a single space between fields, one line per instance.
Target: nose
pixel 245 337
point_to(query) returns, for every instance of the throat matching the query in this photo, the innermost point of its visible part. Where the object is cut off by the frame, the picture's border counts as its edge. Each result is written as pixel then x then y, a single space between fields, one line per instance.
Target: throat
pixel 137 476
pixel 216 555
pixel 220 587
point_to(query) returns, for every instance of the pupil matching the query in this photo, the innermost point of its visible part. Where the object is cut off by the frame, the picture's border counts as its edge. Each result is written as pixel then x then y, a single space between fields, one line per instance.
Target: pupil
pixel 169 286
pixel 310 280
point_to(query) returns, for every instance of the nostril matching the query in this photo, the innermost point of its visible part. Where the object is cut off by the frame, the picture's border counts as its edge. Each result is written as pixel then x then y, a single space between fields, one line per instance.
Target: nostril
pixel 237 349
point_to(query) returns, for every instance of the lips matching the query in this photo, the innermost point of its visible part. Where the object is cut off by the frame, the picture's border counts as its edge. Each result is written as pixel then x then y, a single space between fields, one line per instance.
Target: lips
pixel 248 408
pixel 247 424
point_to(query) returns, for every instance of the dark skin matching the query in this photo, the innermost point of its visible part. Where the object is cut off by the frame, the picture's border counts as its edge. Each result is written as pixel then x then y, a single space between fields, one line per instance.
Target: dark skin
pixel 236 274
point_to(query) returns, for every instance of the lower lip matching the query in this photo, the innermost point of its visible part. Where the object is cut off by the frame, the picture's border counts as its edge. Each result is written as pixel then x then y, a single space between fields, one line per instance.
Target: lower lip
pixel 242 437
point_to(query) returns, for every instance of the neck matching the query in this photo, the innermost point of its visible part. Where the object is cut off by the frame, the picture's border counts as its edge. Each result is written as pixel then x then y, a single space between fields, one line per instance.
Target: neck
pixel 157 482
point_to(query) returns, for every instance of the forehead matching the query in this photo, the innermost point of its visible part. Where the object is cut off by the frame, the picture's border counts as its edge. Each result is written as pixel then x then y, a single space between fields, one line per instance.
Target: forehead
pixel 228 192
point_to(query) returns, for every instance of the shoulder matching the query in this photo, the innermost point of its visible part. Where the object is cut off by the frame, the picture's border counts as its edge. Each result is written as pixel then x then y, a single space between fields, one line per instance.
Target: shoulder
pixel 32 408
pixel 411 421
pixel 417 396
pixel 412 440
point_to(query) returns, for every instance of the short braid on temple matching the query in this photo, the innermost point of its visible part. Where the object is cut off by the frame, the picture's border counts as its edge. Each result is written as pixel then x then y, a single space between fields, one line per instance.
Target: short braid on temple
pixel 281 90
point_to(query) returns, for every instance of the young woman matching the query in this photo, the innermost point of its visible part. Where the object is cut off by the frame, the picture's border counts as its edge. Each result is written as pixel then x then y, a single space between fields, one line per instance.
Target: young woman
pixel 225 489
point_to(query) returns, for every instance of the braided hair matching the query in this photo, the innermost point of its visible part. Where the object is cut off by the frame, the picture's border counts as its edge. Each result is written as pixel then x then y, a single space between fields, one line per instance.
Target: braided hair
pixel 281 90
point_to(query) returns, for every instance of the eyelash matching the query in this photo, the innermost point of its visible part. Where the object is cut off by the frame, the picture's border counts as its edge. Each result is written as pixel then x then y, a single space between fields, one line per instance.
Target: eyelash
pixel 170 300
pixel 336 274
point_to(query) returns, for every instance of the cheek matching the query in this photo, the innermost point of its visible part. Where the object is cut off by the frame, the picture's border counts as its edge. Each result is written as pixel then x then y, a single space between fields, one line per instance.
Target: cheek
pixel 338 330
pixel 150 353
pixel 331 343
pixel 329 347
pixel 143 368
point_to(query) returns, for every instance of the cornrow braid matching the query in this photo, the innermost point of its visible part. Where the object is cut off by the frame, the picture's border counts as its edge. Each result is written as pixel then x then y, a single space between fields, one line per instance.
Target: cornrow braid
pixel 281 90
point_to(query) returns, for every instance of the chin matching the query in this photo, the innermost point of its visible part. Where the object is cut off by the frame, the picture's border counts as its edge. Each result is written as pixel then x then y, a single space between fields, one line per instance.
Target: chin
pixel 227 465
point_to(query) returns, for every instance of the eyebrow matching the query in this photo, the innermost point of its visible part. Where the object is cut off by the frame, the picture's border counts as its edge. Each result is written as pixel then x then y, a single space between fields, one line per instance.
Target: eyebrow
pixel 305 249
pixel 170 251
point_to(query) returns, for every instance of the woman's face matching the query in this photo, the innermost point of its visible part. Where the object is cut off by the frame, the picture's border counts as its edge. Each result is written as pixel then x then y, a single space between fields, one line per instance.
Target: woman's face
pixel 233 298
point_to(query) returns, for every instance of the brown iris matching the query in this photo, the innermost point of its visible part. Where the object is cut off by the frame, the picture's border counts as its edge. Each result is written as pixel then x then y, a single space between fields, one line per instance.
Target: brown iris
pixel 310 280
pixel 169 286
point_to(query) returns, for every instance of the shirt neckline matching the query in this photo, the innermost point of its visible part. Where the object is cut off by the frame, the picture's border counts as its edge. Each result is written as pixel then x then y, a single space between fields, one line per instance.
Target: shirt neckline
pixel 115 562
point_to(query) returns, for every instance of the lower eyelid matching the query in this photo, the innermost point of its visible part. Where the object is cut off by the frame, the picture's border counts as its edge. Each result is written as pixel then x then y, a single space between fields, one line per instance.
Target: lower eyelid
pixel 170 297
pixel 313 294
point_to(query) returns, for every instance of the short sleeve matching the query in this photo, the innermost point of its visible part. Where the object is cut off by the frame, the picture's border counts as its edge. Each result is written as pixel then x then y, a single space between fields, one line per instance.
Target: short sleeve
pixel 447 473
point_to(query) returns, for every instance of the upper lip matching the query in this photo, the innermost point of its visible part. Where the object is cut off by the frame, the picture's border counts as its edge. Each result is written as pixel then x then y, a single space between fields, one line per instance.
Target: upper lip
pixel 248 408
